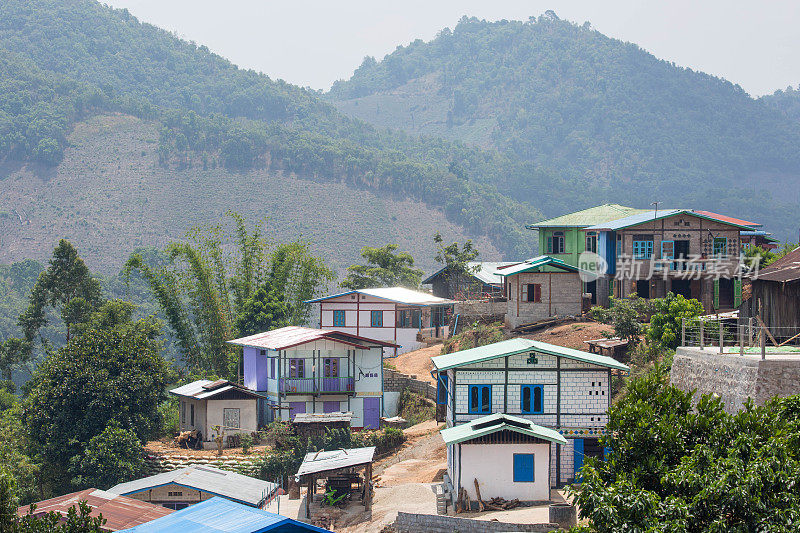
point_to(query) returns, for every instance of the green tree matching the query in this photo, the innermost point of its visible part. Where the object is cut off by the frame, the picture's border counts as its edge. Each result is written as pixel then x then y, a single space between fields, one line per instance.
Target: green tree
pixel 102 375
pixel 114 456
pixel 384 268
pixel 264 311
pixel 211 280
pixel 67 286
pixel 675 466
pixel 15 454
pixel 625 314
pixel 668 315
pixel 456 261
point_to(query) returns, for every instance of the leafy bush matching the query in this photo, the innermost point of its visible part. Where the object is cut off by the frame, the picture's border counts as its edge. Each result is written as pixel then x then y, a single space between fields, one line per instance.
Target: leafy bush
pixel 477 335
pixel 676 466
pixel 415 408
pixel 625 315
pixel 246 441
pixel 114 456
pixel 665 324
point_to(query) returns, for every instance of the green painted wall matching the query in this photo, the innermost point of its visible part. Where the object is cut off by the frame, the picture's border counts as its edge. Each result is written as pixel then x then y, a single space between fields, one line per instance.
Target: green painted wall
pixel 574 244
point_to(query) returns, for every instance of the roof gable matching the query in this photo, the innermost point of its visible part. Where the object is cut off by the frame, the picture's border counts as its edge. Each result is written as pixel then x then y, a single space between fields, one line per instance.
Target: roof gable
pixel 787 268
pixel 650 215
pixel 493 423
pixel 535 264
pixel 588 217
pixel 520 345
pixel 488 272
pixel 203 389
pixel 291 336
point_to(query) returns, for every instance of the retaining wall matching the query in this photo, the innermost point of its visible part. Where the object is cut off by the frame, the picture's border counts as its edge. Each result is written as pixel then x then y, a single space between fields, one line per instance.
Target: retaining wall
pixel 417 523
pixel 397 382
pixel 733 377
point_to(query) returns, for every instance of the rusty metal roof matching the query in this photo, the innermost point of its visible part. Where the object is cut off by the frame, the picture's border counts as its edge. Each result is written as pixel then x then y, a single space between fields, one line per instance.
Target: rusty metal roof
pixel 290 336
pixel 316 462
pixel 321 418
pixel 119 511
pixel 787 268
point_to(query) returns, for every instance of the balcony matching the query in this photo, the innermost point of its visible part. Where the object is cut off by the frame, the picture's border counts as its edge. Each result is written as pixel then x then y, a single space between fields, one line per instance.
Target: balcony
pixel 337 385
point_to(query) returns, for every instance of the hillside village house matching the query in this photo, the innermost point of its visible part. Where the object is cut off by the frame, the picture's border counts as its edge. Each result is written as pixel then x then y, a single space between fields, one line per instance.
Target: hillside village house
pixel 393 314
pixel 540 288
pixel 205 404
pixel 508 455
pixel 306 370
pixel 483 281
pixel 566 390
pixel 692 253
pixel 563 238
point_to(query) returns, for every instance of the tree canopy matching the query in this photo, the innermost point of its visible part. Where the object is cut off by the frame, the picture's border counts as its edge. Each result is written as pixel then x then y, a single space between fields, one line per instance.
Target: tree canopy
pixel 385 268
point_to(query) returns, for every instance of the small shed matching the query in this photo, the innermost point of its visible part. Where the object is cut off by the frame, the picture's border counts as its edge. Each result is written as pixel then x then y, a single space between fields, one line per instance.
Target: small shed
pixel 502 456
pixel 206 404
pixel 482 281
pixel 340 468
pixel 180 488
pixel 219 515
pixel 775 296
pixel 310 425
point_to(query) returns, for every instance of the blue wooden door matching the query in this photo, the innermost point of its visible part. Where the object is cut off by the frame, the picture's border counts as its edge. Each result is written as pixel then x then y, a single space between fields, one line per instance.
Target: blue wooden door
pixel 296 408
pixel 578 457
pixel 372 413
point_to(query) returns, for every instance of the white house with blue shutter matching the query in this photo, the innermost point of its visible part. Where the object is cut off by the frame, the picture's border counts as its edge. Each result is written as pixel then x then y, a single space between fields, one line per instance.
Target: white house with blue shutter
pixel 562 389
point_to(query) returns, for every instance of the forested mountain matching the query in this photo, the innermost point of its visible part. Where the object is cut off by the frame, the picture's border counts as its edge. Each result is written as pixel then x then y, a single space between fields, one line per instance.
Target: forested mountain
pixel 63 61
pixel 614 122
pixel 787 101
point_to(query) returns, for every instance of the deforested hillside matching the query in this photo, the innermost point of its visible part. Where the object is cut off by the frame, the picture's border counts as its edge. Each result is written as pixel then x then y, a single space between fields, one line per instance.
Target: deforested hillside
pixel 611 120
pixel 65 61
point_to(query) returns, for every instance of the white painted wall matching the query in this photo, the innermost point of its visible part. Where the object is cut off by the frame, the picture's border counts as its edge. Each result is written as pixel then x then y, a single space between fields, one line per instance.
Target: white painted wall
pixel 493 466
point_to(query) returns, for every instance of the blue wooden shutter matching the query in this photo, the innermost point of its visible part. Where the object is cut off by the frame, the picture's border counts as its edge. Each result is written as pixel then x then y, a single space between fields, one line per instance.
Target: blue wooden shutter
pixel 578 457
pixel 523 468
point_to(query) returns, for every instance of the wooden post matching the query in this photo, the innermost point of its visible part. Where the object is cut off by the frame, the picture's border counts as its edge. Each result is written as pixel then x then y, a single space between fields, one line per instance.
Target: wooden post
pixel 683 332
pixel 702 333
pixel 741 340
pixel 763 343
pixel 721 336
pixel 309 496
pixel 750 331
pixel 368 488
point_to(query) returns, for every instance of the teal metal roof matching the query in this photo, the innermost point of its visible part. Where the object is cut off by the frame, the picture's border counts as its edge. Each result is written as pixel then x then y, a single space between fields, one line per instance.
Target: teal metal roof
pixel 535 264
pixel 520 345
pixel 588 217
pixel 486 425
pixel 487 273
pixel 647 216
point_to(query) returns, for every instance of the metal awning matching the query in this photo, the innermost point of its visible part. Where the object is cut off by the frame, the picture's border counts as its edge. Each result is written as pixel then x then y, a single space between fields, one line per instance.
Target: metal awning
pixel 319 462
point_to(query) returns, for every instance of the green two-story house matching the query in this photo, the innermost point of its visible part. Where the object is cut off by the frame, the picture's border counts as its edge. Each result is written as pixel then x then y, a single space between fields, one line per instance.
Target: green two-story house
pixel 563 237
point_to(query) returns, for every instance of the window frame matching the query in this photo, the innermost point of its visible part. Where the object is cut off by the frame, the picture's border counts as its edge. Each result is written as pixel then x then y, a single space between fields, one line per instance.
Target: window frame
pixel 724 242
pixel 339 318
pixel 532 389
pixel 272 368
pixel 526 293
pixel 638 253
pixel 479 409
pixel 231 410
pixel 591 242
pixel 552 239
pixel 297 366
pixel 372 316
pixel 532 470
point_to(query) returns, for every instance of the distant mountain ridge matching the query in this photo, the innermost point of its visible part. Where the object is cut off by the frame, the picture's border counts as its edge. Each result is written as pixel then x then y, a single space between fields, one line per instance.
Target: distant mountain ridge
pixel 612 121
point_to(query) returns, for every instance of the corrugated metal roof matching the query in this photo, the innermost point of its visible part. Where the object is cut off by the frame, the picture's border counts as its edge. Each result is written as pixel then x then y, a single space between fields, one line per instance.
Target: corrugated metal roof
pixel 487 272
pixel 318 418
pixel 588 217
pixel 725 218
pixel 120 512
pixel 218 515
pixel 787 268
pixel 536 263
pixel 649 215
pixel 315 462
pixel 759 233
pixel 486 425
pixel 520 345
pixel 399 295
pixel 244 489
pixel 201 389
pixel 290 336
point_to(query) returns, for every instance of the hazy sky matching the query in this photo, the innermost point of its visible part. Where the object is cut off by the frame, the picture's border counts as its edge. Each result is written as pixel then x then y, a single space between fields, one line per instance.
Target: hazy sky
pixel 312 43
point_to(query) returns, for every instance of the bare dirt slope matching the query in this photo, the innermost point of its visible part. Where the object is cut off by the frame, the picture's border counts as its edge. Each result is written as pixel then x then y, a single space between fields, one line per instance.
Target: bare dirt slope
pixel 418 363
pixel 571 335
pixel 109 196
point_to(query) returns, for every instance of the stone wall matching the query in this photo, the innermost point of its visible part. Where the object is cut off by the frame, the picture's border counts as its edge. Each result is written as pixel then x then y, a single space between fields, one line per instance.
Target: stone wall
pixel 418 523
pixel 397 382
pixel 471 310
pixel 735 378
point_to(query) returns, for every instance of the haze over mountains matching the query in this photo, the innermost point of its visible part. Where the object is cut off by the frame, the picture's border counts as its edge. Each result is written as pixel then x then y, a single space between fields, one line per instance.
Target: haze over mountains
pixel 116 134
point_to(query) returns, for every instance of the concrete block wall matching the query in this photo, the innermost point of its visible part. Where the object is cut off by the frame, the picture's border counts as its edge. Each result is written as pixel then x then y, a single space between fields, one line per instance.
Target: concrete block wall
pixel 735 378
pixel 584 392
pixel 419 523
pixel 397 382
pixel 567 462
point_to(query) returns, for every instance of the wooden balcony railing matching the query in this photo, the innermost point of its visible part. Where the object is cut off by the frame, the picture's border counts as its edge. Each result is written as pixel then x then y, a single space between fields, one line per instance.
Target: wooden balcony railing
pixel 317 385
